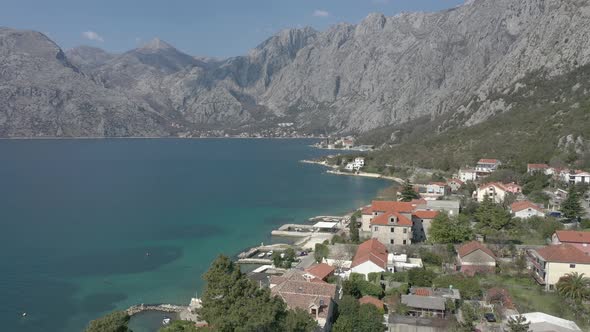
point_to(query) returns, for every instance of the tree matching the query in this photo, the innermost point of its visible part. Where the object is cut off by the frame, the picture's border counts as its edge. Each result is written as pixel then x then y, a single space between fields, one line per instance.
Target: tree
pixel 354 229
pixel 445 229
pixel 114 322
pixel 421 277
pixel 353 317
pixel 408 193
pixel 571 206
pixel 299 320
pixel 518 324
pixel 470 314
pixel 520 263
pixel 492 217
pixel 321 251
pixel 232 302
pixel 573 286
pixel 468 286
pixel 179 326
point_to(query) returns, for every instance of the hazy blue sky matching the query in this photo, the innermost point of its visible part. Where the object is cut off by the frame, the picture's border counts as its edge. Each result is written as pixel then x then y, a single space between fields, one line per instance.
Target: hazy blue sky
pixel 199 27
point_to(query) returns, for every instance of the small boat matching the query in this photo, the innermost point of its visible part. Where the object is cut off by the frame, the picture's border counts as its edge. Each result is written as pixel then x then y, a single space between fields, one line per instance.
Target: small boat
pixel 261 255
pixel 24 314
pixel 166 321
pixel 269 253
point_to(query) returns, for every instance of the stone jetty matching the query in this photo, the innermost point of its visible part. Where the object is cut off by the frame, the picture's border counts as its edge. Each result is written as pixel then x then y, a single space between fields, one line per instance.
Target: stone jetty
pixel 134 310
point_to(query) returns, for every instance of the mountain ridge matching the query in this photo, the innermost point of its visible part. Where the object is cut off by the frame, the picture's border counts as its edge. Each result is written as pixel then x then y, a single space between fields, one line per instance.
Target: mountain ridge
pixel 350 78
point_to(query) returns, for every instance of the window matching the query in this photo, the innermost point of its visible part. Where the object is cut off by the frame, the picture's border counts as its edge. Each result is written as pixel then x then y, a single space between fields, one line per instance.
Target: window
pixel 392 229
pixel 405 230
pixel 404 241
pixel 572 266
pixel 391 241
pixel 376 228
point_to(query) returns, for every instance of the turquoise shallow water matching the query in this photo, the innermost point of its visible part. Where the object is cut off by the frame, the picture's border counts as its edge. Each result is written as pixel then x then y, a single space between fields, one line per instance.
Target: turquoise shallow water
pixel 77 218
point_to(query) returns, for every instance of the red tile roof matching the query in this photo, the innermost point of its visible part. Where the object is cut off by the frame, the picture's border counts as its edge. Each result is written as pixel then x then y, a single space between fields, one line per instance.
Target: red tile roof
pixel 563 253
pixel 523 205
pixel 472 246
pixel 573 236
pixel 442 184
pixel 320 271
pixel 422 291
pixel 383 219
pixel 488 161
pixel 425 214
pixel 371 300
pixel 384 206
pixel 371 250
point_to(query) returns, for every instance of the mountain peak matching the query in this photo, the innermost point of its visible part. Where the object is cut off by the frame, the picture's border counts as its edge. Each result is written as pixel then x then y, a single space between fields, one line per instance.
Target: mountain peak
pixel 157 44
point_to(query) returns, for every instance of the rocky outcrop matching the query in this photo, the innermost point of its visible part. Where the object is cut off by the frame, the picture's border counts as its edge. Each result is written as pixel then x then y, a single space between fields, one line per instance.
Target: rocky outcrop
pixel 349 78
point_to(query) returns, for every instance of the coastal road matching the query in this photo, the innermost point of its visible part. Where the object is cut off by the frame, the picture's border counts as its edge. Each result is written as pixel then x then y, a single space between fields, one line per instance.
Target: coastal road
pixel 306 261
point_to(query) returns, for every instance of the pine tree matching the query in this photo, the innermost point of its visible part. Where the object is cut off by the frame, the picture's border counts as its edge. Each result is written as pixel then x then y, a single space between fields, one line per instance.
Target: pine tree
pixel 518 324
pixel 354 229
pixel 571 207
pixel 408 193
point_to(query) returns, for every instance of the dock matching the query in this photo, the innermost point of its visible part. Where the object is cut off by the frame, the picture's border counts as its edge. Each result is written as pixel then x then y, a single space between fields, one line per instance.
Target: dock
pixel 172 308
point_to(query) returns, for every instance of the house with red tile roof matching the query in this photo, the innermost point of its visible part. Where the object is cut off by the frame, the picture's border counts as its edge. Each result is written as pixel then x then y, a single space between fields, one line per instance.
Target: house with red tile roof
pixel 380 207
pixel 578 239
pixel 371 256
pixel 512 188
pixel 314 297
pixel 486 166
pixel 494 190
pixel 321 271
pixel 526 209
pixel 552 262
pixel 474 257
pixel 392 228
pixel 433 190
pixel 373 301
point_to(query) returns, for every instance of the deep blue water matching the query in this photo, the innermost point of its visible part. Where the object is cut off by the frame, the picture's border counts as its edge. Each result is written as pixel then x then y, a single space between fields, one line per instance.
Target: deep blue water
pixel 78 216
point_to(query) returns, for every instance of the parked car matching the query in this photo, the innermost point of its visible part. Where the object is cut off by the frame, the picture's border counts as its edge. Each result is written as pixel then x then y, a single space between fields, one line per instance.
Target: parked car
pixel 490 317
pixel 303 253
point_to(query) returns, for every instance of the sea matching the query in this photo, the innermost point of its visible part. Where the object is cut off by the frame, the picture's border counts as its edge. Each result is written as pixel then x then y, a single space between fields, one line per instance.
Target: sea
pixel 88 226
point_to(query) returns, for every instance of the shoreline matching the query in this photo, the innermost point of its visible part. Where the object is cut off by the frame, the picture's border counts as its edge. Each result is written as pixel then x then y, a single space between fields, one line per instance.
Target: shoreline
pixel 334 170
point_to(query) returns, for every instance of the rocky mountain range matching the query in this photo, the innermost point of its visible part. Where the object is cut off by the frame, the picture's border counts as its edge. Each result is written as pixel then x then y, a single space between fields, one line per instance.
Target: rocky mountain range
pixel 348 79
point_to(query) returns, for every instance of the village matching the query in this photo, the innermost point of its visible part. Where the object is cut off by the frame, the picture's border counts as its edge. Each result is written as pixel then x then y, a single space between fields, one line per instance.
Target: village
pixel 470 251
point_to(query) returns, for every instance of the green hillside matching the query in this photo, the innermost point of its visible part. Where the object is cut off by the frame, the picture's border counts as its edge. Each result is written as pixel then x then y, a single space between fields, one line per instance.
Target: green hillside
pixel 544 111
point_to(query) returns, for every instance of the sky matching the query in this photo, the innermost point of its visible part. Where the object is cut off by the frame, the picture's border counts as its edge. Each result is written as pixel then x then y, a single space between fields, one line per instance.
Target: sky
pixel 217 28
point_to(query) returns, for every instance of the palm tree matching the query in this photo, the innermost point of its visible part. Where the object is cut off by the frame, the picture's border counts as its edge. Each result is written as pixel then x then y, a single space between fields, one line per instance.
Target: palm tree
pixel 574 286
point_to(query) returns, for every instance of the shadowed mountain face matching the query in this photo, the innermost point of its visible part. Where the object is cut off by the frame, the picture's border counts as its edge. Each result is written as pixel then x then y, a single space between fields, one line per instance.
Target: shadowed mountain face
pixel 351 78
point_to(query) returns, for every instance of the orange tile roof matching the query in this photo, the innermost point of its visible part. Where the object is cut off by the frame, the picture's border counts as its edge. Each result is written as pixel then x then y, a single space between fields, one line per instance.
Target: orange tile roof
pixel 371 300
pixel 488 161
pixel 383 219
pixel 573 236
pixel 422 291
pixel 563 253
pixel 320 271
pixel 425 214
pixel 523 205
pixel 385 206
pixel 472 246
pixel 371 250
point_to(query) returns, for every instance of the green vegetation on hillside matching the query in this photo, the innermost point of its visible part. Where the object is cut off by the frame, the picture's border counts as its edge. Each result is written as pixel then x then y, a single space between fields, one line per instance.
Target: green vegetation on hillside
pixel 543 111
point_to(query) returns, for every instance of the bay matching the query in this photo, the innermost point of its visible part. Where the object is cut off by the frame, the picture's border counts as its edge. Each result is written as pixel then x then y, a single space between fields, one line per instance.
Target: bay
pixel 78 217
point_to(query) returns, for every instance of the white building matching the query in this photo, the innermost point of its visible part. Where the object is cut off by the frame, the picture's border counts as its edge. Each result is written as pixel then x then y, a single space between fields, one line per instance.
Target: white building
pixel 371 256
pixel 467 174
pixel 486 166
pixel 542 322
pixel 358 162
pixel 495 191
pixel 526 209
